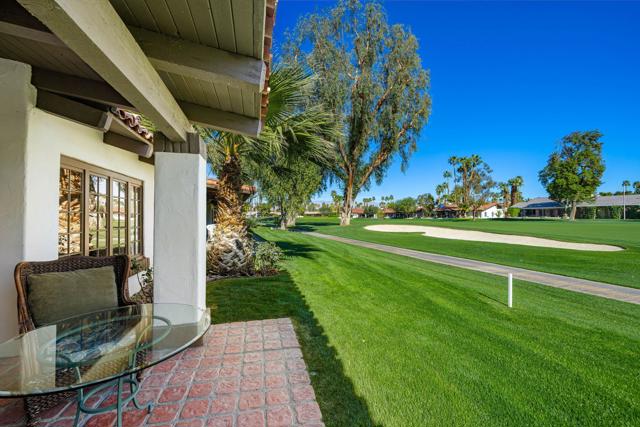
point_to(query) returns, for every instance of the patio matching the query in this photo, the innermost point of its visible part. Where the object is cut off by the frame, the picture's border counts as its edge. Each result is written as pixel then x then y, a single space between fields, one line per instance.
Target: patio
pixel 245 374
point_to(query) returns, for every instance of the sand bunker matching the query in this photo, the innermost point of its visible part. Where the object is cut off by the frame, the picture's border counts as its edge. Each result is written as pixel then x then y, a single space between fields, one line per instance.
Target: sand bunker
pixel 481 236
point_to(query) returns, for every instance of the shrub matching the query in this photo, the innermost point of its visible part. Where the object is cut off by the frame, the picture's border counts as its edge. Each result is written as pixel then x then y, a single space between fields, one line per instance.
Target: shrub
pixel 252 222
pixel 370 211
pixel 616 212
pixel 513 212
pixel 267 258
pixel 588 212
pixel 264 209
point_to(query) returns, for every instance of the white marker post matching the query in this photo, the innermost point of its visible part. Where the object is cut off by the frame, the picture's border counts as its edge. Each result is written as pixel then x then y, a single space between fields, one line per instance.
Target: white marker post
pixel 510 291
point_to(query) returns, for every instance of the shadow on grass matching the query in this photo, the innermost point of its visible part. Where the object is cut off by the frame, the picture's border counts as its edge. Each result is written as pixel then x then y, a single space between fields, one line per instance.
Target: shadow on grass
pixel 312 226
pixel 245 299
pixel 291 249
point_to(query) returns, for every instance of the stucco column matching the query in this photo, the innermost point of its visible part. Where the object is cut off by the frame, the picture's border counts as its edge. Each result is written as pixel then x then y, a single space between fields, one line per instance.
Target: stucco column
pixel 18 100
pixel 179 243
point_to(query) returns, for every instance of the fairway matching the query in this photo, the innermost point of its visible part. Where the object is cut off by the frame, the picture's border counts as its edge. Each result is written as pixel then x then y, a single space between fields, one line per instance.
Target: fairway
pixel 399 342
pixel 619 268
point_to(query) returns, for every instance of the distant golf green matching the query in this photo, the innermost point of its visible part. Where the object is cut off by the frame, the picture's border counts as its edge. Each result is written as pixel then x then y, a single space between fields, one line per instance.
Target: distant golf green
pixel 396 342
pixel 620 268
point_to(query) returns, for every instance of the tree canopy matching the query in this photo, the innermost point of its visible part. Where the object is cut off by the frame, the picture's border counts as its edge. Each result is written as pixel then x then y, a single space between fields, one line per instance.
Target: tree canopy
pixel 371 78
pixel 289 186
pixel 292 129
pixel 574 172
pixel 474 185
pixel 405 206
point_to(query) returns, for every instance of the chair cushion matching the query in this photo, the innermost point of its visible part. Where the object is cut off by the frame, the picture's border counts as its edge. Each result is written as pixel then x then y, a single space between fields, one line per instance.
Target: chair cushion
pixel 56 296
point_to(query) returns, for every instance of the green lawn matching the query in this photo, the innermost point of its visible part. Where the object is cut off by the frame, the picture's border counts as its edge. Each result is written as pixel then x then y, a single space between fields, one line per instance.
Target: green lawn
pixel 620 268
pixel 393 341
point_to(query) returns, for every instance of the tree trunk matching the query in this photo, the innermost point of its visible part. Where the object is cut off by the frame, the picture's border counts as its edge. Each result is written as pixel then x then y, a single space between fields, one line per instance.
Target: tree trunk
pixel 345 212
pixel 231 252
pixel 291 219
pixel 287 219
pixel 574 208
pixel 283 217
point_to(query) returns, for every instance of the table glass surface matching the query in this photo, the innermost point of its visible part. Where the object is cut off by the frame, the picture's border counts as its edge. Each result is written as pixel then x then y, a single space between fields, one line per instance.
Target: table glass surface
pixel 97 347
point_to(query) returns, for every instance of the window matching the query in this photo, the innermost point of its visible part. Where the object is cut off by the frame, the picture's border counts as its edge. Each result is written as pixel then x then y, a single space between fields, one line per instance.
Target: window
pixel 98 215
pixel 118 217
pixel 135 219
pixel 70 212
pixel 100 212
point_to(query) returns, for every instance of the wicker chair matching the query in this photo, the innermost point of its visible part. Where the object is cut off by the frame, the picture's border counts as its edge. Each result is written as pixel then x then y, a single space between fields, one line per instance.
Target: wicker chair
pixel 120 263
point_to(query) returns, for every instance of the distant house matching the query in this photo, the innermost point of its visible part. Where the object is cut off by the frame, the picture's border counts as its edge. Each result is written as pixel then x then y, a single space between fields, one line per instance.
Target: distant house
pixel 389 213
pixel 489 210
pixel 545 207
pixel 448 211
pixel 357 213
pixel 421 212
pixel 540 207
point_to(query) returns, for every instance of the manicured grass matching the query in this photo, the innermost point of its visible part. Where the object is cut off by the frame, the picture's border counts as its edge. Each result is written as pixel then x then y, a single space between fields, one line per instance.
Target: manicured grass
pixel 393 341
pixel 620 268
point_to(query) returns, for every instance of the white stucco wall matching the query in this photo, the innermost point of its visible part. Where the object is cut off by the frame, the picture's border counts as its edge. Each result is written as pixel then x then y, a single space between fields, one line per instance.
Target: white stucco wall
pixel 17 99
pixel 51 137
pixel 492 212
pixel 180 229
pixel 31 143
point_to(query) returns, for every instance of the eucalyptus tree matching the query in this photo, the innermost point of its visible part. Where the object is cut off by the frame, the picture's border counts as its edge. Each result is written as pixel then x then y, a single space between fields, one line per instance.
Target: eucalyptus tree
pixel 292 128
pixel 574 172
pixel 372 79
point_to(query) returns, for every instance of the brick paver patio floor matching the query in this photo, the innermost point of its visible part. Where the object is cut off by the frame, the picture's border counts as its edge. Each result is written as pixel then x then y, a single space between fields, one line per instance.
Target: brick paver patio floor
pixel 246 374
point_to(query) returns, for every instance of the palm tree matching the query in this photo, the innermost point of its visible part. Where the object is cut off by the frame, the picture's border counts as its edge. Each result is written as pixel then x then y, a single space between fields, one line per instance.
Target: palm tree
pixel 625 185
pixel 515 184
pixel 441 190
pixel 292 129
pixel 453 161
pixel 636 187
pixel 505 194
pixel 447 176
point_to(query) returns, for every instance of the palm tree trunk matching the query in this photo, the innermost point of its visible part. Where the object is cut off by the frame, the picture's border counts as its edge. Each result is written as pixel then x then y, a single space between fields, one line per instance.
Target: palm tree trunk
pixel 232 249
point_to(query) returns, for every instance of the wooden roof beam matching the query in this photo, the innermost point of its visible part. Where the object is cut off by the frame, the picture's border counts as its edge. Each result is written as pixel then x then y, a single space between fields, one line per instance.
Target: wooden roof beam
pixel 185 58
pixel 73 110
pixel 222 120
pixel 95 32
pixel 78 87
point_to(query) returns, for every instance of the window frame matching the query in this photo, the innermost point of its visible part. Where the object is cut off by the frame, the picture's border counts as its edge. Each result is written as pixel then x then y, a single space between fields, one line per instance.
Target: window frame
pixel 87 171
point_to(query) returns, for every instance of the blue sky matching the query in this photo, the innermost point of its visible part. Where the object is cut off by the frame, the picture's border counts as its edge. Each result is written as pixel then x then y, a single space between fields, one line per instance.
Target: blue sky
pixel 509 79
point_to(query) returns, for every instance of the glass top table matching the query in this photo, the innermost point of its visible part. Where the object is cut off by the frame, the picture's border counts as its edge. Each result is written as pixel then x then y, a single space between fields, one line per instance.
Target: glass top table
pixel 105 347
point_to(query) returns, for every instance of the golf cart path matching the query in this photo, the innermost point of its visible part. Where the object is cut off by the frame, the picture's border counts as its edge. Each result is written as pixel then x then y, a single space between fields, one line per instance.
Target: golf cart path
pixel 591 287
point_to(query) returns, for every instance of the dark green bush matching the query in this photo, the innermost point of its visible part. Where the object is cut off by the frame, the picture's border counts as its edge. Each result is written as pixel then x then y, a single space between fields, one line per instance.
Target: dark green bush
pixel 267 258
pixel 513 212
